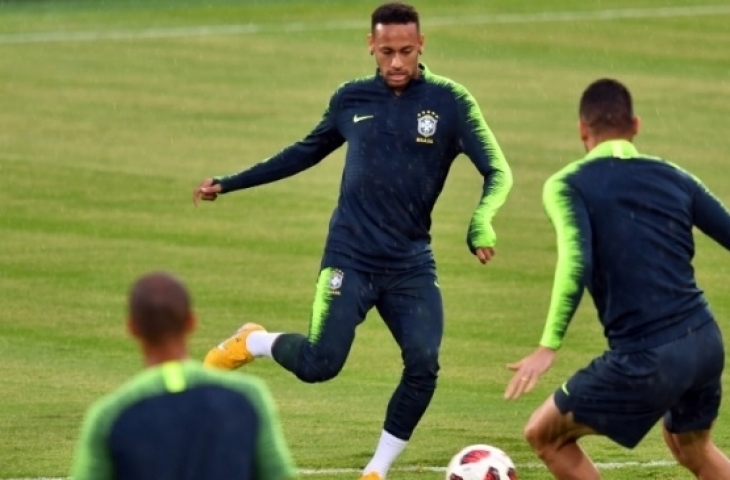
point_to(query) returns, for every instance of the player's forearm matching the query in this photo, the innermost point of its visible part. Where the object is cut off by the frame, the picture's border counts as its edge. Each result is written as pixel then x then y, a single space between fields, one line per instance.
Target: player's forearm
pixel 566 296
pixel 484 151
pixel 286 163
pixel 573 269
pixel 554 332
pixel 479 144
pixel 497 186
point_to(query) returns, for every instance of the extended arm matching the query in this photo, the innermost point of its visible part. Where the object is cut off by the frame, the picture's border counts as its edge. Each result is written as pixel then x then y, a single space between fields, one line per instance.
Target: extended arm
pixel 479 144
pixel 569 216
pixel 323 140
pixel 571 222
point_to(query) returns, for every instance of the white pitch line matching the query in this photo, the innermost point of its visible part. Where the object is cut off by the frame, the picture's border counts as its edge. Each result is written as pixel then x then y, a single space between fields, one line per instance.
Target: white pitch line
pixel 244 29
pixel 525 466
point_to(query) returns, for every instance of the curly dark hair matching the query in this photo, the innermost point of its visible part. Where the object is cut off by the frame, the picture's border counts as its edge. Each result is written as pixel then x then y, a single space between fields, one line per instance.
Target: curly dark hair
pixel 394 13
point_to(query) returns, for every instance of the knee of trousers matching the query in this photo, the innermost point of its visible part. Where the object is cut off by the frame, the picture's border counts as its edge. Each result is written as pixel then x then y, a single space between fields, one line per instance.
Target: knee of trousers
pixel 317 367
pixel 421 366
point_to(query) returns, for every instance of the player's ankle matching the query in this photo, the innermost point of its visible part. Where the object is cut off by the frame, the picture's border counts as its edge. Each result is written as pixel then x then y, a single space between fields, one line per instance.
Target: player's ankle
pixel 259 343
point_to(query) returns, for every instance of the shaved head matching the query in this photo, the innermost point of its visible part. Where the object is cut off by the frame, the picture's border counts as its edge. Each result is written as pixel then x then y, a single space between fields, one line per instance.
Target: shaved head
pixel 159 307
pixel 606 105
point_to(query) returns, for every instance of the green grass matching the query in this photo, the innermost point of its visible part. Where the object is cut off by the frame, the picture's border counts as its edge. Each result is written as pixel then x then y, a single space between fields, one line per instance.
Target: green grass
pixel 102 142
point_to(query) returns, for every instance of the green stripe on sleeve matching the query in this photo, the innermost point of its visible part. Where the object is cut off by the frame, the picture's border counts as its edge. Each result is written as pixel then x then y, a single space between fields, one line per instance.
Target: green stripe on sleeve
pixel 496 188
pixel 274 460
pixel 329 280
pixel 92 460
pixel 568 280
pixel 479 144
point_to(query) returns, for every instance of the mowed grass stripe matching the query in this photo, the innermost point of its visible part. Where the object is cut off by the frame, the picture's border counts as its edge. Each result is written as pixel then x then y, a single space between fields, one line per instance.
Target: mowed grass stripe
pixel 217 30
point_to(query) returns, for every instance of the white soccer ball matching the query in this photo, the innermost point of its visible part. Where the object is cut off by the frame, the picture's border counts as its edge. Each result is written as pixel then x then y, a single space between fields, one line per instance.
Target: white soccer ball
pixel 481 462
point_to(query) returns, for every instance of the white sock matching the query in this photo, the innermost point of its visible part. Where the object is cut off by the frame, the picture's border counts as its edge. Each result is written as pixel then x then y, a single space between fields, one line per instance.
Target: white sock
pixel 259 343
pixel 389 447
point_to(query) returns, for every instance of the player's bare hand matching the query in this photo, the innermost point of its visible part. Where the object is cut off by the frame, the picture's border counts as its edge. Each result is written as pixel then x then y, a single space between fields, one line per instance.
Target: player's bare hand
pixel 485 254
pixel 206 191
pixel 528 371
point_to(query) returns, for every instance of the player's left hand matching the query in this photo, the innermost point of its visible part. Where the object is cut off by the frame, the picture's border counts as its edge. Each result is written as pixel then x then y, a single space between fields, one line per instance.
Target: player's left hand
pixel 206 191
pixel 484 254
pixel 528 371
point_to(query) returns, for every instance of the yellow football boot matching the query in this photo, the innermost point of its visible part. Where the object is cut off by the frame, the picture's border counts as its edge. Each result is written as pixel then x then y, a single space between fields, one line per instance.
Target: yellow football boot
pixel 232 353
pixel 371 476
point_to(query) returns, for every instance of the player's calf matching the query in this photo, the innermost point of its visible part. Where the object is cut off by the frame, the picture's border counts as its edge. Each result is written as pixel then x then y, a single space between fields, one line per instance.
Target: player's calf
pixel 553 436
pixel 696 452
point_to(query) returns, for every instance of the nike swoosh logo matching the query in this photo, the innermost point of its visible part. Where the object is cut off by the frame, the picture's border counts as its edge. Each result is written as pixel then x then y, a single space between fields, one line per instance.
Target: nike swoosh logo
pixel 356 119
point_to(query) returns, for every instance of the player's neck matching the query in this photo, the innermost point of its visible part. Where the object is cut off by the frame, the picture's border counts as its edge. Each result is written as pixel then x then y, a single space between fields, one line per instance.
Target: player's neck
pixel 594 140
pixel 165 352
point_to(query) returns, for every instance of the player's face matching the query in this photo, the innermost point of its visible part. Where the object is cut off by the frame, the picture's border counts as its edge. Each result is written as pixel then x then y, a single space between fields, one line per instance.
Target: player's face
pixel 396 48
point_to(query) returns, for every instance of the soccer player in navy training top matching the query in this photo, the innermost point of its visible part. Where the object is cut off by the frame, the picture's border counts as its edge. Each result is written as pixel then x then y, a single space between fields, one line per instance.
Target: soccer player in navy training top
pixel 404 127
pixel 178 420
pixel 624 231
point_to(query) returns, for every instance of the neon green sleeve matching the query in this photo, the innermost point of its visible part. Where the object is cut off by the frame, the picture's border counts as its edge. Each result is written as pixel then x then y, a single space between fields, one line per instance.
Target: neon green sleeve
pixel 92 460
pixel 273 458
pixel 567 212
pixel 479 144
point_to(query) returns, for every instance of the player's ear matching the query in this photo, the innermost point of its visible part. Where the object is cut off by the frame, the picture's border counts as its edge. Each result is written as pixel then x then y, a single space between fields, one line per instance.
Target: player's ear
pixel 636 125
pixel 421 43
pixel 371 47
pixel 132 328
pixel 191 323
pixel 585 135
pixel 583 131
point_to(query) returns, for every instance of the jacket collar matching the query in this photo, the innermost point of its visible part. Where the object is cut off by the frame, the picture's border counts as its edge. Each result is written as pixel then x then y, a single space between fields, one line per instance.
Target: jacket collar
pixel 614 148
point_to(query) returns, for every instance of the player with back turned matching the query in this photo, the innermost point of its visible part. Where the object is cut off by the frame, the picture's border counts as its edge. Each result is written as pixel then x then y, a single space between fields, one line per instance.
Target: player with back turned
pixel 404 127
pixel 624 223
pixel 178 420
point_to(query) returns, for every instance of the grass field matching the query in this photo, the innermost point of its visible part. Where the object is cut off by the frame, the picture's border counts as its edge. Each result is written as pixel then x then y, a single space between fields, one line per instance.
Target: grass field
pixel 112 112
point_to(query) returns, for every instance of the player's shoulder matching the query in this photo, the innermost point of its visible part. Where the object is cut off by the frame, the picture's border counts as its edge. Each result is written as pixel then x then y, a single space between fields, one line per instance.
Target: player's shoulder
pixel 446 84
pixel 354 84
pixel 566 172
pixel 242 383
pixel 662 166
pixel 663 163
pixel 357 87
pixel 104 411
pixel 592 165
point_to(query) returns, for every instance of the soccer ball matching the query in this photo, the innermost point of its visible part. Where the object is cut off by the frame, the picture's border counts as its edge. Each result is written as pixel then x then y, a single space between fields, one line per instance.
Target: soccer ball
pixel 481 462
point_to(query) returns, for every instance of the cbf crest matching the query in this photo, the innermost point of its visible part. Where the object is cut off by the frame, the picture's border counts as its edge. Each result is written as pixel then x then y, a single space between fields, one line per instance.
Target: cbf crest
pixel 427 122
pixel 335 281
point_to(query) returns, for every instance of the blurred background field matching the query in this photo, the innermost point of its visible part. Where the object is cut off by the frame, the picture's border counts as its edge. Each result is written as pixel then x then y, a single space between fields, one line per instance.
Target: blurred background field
pixel 112 112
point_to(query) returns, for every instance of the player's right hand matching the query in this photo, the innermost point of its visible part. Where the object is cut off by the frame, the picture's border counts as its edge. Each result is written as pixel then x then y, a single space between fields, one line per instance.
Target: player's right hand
pixel 528 371
pixel 484 254
pixel 206 191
